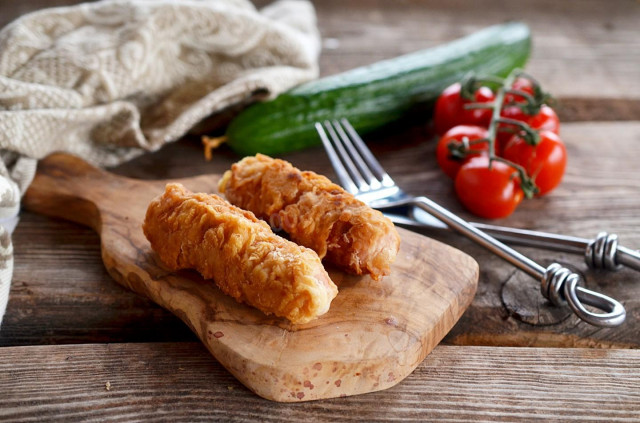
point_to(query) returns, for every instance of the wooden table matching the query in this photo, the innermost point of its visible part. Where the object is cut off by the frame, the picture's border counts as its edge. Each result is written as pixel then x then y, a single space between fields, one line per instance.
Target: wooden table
pixel 77 346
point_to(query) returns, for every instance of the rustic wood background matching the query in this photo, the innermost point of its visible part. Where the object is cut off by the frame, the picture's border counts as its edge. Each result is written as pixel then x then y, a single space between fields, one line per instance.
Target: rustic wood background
pixel 180 381
pixel 587 53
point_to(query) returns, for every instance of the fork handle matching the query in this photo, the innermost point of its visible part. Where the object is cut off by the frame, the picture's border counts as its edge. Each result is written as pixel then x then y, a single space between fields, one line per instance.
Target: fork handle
pixel 602 252
pixel 558 284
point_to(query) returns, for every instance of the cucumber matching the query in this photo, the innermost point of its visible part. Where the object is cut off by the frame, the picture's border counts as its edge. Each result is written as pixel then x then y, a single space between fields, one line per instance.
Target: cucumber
pixel 374 95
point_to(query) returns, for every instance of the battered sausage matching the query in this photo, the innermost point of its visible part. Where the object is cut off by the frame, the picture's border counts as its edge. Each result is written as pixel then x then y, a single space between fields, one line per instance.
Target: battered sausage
pixel 239 252
pixel 315 213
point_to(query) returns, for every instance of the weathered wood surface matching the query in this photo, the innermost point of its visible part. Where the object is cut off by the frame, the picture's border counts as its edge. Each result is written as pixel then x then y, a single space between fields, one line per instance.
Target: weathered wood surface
pixel 586 49
pixel 586 52
pixel 180 382
pixel 373 336
pixel 61 292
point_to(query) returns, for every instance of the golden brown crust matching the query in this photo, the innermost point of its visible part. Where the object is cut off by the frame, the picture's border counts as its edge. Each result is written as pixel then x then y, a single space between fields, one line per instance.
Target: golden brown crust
pixel 315 213
pixel 239 252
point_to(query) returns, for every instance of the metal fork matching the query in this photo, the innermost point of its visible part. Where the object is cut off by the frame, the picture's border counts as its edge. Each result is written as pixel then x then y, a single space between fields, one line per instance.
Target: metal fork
pixel 363 176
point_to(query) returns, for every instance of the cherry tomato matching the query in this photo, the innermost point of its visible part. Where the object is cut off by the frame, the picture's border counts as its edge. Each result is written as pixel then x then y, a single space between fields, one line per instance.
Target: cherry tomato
pixel 546 119
pixel 450 165
pixel 545 163
pixel 520 84
pixel 488 192
pixel 449 110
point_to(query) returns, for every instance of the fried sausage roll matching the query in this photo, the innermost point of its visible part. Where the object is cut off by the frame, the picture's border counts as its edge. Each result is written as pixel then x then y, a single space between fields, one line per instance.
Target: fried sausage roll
pixel 315 213
pixel 239 252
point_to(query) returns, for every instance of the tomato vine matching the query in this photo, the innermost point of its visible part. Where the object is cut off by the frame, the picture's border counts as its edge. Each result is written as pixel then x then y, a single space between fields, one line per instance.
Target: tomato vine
pixel 516 118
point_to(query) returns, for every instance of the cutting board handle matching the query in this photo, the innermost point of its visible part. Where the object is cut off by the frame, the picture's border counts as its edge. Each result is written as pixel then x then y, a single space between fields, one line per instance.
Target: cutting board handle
pixel 68 187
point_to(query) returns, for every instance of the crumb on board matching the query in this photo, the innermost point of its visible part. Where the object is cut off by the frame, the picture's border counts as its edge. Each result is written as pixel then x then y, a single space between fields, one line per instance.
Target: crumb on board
pixel 107 386
pixel 230 388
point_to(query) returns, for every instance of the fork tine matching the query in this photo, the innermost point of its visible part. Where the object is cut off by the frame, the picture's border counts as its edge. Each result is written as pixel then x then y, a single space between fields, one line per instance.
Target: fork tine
pixel 366 154
pixel 343 175
pixel 339 145
pixel 354 154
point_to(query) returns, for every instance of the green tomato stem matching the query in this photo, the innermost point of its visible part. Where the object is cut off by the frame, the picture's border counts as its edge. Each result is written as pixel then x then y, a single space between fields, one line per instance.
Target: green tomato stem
pixel 526 183
pixel 531 136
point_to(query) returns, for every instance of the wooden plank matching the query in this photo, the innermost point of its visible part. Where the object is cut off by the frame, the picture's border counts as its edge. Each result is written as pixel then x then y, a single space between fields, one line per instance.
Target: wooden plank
pixel 578 45
pixel 586 52
pixel 61 292
pixel 599 192
pixel 168 381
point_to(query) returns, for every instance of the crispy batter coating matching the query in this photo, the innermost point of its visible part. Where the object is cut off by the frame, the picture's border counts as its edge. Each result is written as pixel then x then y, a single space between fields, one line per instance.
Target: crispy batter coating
pixel 315 213
pixel 239 252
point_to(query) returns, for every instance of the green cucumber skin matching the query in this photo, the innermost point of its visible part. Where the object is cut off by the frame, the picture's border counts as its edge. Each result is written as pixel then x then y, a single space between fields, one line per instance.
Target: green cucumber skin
pixel 375 95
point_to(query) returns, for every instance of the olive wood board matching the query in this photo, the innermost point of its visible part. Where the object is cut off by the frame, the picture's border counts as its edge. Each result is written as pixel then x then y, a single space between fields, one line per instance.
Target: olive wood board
pixel 374 335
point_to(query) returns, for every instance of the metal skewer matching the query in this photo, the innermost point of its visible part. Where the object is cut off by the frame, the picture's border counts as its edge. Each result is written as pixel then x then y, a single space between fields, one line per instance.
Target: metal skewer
pixel 602 252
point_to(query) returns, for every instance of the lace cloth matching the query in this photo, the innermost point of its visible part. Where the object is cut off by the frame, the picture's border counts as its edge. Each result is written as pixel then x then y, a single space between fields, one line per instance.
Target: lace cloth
pixel 111 80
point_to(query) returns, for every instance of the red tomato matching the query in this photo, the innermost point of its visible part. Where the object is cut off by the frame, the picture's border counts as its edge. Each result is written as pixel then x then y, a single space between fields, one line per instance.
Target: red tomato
pixel 520 84
pixel 449 110
pixel 489 193
pixel 546 119
pixel 449 164
pixel 545 163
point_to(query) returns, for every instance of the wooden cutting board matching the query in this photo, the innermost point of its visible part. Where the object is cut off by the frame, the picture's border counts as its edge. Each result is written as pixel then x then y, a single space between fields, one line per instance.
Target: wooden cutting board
pixel 374 335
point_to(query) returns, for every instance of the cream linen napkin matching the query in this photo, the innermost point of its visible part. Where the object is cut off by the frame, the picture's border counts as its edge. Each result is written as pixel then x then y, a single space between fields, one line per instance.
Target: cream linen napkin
pixel 110 80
